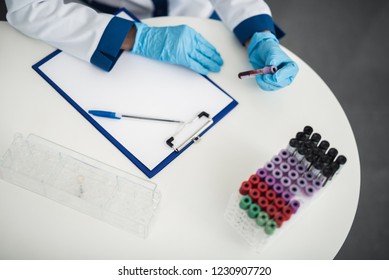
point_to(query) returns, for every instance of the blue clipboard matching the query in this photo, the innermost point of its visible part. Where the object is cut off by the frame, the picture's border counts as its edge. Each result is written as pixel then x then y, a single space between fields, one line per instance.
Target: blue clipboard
pixel 149 170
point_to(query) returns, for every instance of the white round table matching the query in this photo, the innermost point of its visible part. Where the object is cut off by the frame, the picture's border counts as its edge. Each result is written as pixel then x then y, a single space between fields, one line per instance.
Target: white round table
pixel 195 187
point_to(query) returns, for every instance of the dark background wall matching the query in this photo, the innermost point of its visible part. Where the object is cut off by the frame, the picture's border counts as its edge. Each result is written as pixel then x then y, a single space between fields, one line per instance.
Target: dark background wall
pixel 346 43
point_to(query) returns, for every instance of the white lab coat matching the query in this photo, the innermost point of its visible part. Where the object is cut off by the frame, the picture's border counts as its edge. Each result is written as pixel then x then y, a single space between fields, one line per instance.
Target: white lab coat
pixel 86 34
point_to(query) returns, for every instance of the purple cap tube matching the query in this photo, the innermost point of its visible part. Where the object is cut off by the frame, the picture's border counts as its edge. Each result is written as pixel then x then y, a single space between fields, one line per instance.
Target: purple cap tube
pixel 292 161
pixel 300 168
pixel 287 196
pixel 285 167
pixel 286 181
pixel 270 180
pixel 278 189
pixel 295 205
pixel 261 172
pixel 309 191
pixel 269 166
pixel 309 176
pixel 293 175
pixel 317 184
pixel 277 173
pixel 276 159
pixel 294 189
pixel 284 154
pixel 301 183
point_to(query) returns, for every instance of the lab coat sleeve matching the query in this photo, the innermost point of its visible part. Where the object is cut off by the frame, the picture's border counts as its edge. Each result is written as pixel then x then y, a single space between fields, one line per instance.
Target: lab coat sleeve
pixel 245 17
pixel 73 28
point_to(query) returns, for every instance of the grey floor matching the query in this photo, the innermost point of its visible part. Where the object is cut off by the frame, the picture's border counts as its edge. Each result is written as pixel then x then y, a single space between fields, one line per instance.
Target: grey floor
pixel 345 43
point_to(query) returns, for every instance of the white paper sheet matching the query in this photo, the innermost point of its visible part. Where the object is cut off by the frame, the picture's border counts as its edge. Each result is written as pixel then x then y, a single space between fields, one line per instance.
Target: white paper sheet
pixel 137 86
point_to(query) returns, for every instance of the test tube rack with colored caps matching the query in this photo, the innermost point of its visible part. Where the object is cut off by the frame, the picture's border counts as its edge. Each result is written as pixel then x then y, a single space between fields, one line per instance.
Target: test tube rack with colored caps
pixel 269 198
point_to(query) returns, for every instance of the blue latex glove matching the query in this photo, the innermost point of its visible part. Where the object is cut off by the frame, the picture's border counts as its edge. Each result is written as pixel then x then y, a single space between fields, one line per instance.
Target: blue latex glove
pixel 264 50
pixel 180 45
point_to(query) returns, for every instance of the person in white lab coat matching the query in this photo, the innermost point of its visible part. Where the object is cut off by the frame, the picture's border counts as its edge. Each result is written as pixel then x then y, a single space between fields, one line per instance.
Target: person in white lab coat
pixel 97 36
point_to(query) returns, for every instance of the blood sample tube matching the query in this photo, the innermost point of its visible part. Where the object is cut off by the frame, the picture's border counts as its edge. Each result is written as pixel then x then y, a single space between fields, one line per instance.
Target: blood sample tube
pixel 262 187
pixel 294 205
pixel 245 202
pixel 284 154
pixel 308 130
pixel 324 145
pixel 332 153
pixel 270 180
pixel 270 227
pixel 254 194
pixel 254 180
pixel 277 173
pixel 286 181
pixel 278 189
pixel 271 210
pixel 315 138
pixel 270 195
pixel 287 211
pixel 263 203
pixel 279 203
pixel 261 172
pixel 301 136
pixel 285 167
pixel 279 219
pixel 287 196
pixel 262 218
pixel 254 210
pixel 292 146
pixel 292 161
pixel 341 160
pixel 269 166
pixel 245 187
pixel 276 159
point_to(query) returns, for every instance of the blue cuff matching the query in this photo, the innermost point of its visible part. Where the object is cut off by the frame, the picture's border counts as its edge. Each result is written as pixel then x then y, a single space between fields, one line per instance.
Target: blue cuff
pixel 108 50
pixel 248 27
pixel 279 32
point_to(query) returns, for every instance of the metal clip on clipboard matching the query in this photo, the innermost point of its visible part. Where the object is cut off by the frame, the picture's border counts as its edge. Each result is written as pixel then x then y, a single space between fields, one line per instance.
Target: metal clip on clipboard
pixel 190 131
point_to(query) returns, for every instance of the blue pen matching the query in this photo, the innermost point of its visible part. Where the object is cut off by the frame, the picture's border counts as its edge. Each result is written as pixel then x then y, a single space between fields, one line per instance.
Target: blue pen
pixel 114 115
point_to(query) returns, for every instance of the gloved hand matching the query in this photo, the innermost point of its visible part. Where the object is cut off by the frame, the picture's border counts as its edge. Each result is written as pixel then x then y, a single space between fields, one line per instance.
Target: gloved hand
pixel 180 45
pixel 264 50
